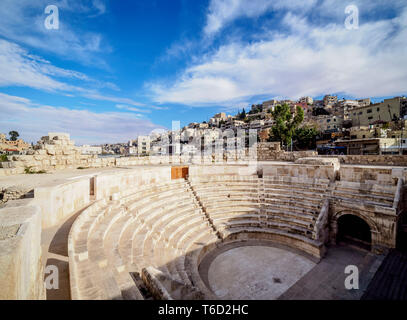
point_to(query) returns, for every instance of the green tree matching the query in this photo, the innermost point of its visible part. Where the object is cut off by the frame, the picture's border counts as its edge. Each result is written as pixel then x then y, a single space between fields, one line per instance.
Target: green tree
pixel 242 115
pixel 285 123
pixel 305 137
pixel 13 135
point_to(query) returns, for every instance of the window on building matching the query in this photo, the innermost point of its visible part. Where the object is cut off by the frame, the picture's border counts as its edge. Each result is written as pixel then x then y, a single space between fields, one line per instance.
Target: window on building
pixel 361 112
pixel 369 111
pixel 378 109
pixel 370 118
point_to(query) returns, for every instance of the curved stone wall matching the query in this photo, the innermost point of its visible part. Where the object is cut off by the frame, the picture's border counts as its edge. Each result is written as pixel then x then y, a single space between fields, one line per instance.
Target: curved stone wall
pixel 139 223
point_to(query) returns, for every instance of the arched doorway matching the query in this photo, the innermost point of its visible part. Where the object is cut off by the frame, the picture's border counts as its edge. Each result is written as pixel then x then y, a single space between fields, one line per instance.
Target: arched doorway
pixel 355 231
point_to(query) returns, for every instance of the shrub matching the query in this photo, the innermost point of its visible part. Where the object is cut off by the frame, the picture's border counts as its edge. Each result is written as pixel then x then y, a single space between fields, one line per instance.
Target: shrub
pixel 28 170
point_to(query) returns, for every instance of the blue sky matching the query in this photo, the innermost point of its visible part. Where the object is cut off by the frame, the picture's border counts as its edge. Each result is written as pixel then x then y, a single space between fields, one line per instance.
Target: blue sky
pixel 116 69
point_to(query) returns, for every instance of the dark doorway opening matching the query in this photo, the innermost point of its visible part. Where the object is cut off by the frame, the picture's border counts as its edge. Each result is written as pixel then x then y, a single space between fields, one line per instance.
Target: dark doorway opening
pixel 355 231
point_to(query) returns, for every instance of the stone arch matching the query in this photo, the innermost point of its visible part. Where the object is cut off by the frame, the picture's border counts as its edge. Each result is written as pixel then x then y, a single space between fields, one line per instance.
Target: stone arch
pixel 359 214
pixel 374 233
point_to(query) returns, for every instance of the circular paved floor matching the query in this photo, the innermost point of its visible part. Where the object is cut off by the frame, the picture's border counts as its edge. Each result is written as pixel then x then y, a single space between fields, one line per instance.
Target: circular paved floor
pixel 256 272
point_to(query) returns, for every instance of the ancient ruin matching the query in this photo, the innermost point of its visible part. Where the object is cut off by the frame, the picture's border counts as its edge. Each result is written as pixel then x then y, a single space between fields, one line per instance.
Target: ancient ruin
pixel 172 229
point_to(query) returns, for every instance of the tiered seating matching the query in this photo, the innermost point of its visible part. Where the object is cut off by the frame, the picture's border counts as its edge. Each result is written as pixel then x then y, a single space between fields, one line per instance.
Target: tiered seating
pixel 283 210
pixel 228 199
pixel 365 193
pixel 293 204
pixel 167 228
pixel 154 227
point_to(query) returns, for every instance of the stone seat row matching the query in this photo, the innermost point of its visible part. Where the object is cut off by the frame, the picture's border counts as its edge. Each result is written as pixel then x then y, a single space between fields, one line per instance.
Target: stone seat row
pixel 315 248
pixel 149 228
pixel 158 245
pixel 374 194
pixel 279 209
pixel 163 226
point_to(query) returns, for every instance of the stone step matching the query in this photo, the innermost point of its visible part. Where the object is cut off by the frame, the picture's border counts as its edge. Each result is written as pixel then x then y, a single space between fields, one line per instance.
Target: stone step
pixel 306 218
pixel 215 203
pixel 304 204
pixel 385 200
pixel 266 225
pixel 272 207
pixel 277 232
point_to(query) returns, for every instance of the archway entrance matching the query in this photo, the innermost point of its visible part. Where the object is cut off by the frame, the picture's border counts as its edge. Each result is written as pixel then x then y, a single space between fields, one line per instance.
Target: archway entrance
pixel 355 231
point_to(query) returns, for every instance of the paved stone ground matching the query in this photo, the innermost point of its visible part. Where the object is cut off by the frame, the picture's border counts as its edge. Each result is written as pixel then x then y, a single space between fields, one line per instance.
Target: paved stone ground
pixel 326 281
pixel 256 272
pixel 30 181
pixel 390 281
pixel 323 281
pixel 55 249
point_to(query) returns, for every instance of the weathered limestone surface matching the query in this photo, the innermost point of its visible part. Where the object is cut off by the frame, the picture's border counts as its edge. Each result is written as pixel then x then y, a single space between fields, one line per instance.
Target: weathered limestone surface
pixel 384 160
pixel 13 193
pixel 267 151
pixel 57 152
pixel 123 183
pixel 60 201
pixel 21 267
pixel 143 218
pixel 214 170
pixel 305 171
pixel 371 174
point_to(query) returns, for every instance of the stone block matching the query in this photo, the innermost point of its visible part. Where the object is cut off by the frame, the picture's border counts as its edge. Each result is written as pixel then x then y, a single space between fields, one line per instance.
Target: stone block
pixel 58 136
pixel 50 150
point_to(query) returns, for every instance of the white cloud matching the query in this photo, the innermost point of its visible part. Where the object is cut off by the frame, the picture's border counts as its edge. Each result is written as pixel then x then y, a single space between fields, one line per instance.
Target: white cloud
pixel 22 21
pixel 20 68
pixel 101 97
pixel 100 6
pixel 306 59
pixel 133 109
pixel 17 67
pixel 33 121
pixel 222 12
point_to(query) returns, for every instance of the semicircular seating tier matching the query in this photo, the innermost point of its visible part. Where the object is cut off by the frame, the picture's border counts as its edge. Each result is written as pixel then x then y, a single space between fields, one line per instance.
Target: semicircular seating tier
pixel 150 242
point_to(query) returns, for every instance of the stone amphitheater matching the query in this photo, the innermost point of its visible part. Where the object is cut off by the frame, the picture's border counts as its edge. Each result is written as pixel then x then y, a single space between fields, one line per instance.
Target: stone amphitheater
pixel 264 230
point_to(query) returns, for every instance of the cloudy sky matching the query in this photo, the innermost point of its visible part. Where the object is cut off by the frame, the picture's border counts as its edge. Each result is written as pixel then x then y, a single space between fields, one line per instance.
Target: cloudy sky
pixel 116 69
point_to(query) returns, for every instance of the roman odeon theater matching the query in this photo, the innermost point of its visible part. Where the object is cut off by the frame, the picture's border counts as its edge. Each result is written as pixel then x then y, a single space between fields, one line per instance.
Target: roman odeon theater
pixel 172 228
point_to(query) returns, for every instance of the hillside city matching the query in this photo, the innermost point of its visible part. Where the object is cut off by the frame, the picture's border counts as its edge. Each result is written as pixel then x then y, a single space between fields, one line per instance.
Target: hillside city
pixel 330 126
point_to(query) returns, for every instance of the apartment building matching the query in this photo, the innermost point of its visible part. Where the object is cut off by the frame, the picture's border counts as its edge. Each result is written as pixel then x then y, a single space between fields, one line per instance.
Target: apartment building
pixel 143 145
pixel 330 100
pixel 385 111
pixel 218 118
pixel 307 100
pixel 372 146
pixel 329 123
pixel 270 105
pixel 8 145
pixel 87 149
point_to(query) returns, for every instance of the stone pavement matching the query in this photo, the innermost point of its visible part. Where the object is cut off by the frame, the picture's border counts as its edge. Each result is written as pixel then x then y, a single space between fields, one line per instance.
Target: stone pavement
pixel 326 281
